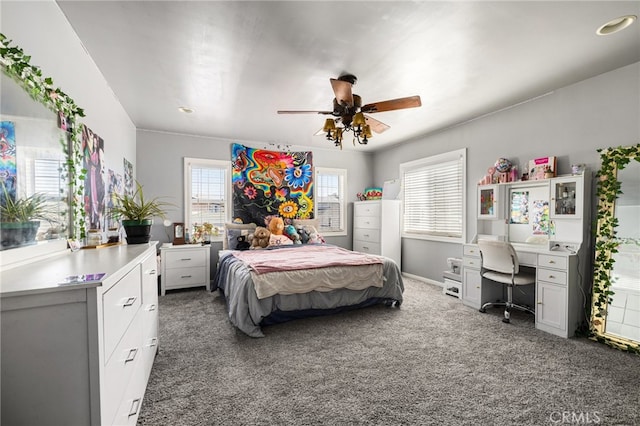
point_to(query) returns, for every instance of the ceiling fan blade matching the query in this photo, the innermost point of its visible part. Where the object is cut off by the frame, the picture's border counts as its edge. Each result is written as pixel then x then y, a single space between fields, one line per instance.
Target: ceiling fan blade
pixel 342 89
pixel 376 126
pixel 305 112
pixel 393 104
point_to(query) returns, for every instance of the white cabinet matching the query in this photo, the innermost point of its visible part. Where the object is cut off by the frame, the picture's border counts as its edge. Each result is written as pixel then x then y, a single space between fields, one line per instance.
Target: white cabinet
pixel 185 266
pixel 566 197
pixel 491 202
pixel 474 293
pixel 79 354
pixel 376 228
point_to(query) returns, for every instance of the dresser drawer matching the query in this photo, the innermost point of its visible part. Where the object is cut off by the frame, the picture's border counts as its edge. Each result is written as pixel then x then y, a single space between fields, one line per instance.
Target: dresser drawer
pixel 184 277
pixel 552 276
pixel 120 305
pixel 126 359
pixel 470 250
pixel 549 261
pixel 367 222
pixel 368 235
pixel 366 247
pixel 366 209
pixel 471 262
pixel 185 258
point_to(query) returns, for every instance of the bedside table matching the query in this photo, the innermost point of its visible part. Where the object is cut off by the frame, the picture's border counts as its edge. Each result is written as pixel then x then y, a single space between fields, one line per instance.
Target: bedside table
pixel 185 266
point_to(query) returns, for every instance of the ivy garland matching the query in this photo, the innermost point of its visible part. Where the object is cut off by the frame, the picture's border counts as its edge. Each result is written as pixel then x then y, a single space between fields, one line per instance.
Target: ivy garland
pixel 613 159
pixel 15 64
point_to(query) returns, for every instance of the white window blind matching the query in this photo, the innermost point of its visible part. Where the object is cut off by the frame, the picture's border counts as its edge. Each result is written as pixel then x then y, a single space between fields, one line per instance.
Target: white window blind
pixel 433 196
pixel 207 192
pixel 330 200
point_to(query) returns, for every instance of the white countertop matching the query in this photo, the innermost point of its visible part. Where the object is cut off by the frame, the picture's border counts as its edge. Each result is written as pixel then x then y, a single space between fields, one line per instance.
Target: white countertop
pixel 49 275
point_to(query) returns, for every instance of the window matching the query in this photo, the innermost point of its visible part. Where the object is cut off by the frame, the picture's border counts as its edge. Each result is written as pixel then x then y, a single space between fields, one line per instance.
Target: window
pixel 434 197
pixel 207 192
pixel 331 210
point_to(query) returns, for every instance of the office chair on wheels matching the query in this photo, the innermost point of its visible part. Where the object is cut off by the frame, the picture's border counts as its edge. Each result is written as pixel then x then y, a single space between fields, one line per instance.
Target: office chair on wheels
pixel 499 263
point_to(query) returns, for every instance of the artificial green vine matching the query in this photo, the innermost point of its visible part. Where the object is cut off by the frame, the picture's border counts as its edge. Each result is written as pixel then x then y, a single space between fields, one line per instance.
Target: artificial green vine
pixel 608 190
pixel 15 64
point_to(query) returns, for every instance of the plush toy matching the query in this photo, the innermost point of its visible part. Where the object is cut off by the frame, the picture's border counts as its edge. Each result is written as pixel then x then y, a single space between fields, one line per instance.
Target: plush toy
pixel 315 237
pixel 260 238
pixel 290 231
pixel 304 234
pixel 276 227
pixel 242 243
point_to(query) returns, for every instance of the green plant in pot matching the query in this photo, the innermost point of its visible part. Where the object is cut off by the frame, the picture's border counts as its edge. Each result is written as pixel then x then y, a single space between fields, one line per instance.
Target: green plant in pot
pixel 20 218
pixel 137 213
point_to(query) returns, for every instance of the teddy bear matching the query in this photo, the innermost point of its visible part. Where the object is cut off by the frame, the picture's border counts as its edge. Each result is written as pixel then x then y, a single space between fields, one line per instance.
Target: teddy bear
pixel 242 243
pixel 260 238
pixel 290 231
pixel 304 234
pixel 276 227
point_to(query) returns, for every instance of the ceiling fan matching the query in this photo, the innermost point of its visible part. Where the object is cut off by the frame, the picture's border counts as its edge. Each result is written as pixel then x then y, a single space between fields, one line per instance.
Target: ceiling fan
pixel 350 113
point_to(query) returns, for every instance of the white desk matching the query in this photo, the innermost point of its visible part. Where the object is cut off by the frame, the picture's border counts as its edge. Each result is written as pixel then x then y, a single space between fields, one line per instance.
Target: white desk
pixel 559 298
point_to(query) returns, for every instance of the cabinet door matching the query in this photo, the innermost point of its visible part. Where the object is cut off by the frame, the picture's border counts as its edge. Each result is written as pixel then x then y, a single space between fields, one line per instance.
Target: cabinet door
pixel 551 306
pixel 471 287
pixel 566 197
pixel 489 202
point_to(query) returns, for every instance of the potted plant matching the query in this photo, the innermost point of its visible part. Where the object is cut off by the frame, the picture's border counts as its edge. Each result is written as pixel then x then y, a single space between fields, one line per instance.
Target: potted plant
pixel 20 218
pixel 137 214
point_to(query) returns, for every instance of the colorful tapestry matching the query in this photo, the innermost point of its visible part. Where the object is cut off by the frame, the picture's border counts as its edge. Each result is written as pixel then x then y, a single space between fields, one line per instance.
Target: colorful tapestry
pixel 94 186
pixel 271 183
pixel 8 171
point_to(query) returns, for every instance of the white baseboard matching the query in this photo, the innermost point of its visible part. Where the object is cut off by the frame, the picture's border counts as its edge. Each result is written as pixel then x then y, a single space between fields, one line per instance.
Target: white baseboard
pixel 423 279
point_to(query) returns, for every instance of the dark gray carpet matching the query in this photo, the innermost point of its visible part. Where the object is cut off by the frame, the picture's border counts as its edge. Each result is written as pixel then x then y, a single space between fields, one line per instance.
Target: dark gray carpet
pixel 431 362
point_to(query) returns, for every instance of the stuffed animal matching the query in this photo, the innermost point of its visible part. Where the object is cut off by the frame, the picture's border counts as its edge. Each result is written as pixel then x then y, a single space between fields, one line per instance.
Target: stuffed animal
pixel 260 238
pixel 290 231
pixel 315 237
pixel 276 227
pixel 304 234
pixel 242 243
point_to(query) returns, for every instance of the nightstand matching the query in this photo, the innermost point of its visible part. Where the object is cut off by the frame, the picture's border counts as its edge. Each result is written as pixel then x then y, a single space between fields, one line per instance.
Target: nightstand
pixel 185 266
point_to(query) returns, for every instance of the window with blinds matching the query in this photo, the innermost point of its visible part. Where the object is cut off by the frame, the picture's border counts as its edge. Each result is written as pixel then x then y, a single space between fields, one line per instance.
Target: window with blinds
pixel 207 192
pixel 330 200
pixel 434 197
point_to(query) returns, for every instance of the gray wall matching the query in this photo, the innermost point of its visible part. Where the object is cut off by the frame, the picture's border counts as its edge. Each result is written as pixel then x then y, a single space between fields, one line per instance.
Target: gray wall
pixel 160 170
pixel 571 123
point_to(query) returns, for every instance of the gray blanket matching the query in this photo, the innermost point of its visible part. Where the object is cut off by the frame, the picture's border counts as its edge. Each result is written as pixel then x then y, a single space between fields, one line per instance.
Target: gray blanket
pixel 247 312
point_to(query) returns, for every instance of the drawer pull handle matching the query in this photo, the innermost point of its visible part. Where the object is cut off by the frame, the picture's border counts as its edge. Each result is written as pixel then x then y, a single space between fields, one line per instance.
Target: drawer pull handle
pixel 551 276
pixel 154 342
pixel 185 276
pixel 186 258
pixel 366 235
pixel 539 303
pixel 152 307
pixel 552 262
pixel 365 248
pixel 135 404
pixel 132 355
pixel 152 272
pixel 129 302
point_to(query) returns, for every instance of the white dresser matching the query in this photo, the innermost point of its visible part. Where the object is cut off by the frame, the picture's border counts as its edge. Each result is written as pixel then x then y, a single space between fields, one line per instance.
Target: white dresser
pixel 186 265
pixel 79 353
pixel 376 228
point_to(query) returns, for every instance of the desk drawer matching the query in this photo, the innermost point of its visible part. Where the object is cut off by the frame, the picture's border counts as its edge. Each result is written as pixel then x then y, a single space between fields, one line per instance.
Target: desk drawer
pixel 548 261
pixel 369 235
pixel 471 262
pixel 552 276
pixel 185 258
pixel 471 250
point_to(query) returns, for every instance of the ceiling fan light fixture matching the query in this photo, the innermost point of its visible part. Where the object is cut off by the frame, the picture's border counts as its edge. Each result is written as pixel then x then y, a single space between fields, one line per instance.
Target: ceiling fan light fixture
pixel 616 25
pixel 358 120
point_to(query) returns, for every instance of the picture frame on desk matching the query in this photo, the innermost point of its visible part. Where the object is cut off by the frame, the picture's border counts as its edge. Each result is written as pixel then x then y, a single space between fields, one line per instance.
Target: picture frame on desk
pixel 178 234
pixel 542 168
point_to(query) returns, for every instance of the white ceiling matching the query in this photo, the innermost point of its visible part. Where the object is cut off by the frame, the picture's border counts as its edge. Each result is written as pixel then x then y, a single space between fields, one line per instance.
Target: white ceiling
pixel 238 62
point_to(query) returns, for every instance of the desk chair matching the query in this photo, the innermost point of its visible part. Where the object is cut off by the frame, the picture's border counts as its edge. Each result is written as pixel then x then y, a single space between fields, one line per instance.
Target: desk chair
pixel 499 263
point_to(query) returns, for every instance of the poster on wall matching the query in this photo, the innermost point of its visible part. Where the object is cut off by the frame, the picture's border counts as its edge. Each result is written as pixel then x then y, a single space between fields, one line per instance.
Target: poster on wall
pixel 540 217
pixel 94 185
pixel 128 177
pixel 271 183
pixel 8 172
pixel 114 188
pixel 519 207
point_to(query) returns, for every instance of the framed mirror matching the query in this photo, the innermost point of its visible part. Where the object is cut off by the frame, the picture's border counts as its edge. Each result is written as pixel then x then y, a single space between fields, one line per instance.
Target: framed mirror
pixel 616 280
pixel 39 167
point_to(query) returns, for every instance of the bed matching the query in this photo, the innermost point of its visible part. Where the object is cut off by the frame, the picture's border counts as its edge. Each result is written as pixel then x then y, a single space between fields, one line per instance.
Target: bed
pixel 278 284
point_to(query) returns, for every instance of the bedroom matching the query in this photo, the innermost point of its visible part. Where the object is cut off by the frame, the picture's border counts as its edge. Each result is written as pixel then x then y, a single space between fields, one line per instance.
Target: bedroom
pixel 567 123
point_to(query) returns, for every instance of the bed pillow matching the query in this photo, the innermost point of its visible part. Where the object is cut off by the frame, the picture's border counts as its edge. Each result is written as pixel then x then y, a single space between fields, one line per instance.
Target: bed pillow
pixel 306 222
pixel 233 230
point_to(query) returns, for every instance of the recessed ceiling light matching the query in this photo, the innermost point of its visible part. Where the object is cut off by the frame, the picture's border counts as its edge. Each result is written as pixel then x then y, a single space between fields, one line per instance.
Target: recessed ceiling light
pixel 615 25
pixel 185 109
